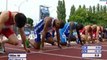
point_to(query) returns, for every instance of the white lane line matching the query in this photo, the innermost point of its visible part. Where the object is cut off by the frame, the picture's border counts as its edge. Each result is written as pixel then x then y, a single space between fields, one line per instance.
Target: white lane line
pixel 44 51
pixel 60 55
pixel 104 45
pixel 33 51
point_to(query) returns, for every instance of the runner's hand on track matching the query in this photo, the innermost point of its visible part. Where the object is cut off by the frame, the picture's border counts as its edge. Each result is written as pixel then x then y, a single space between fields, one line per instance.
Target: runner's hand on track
pixel 59 46
pixel 41 46
pixel 27 50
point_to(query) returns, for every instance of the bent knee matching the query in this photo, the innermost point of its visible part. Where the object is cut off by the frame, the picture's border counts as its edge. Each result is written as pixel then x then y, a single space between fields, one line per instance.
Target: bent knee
pixel 37 45
pixel 14 42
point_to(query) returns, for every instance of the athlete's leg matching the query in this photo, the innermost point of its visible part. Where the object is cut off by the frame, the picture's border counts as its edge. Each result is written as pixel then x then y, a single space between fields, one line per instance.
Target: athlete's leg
pixel 49 38
pixel 37 41
pixel 83 38
pixel 71 38
pixel 36 45
pixel 12 38
pixel 2 48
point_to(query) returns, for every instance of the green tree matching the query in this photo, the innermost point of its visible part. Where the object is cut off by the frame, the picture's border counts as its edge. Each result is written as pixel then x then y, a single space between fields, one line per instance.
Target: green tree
pixel 101 9
pixel 104 9
pixel 79 6
pixel 84 7
pixel 92 15
pixel 64 11
pixel 98 8
pixel 90 9
pixel 94 9
pixel 72 10
pixel 79 16
pixel 61 10
pixel 59 7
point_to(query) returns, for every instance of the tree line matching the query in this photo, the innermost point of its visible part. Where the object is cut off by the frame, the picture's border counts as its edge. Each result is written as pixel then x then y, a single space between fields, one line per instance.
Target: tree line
pixel 91 15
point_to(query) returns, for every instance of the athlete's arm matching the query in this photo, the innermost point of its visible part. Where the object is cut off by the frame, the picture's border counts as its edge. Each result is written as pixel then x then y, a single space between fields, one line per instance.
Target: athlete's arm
pixel 3 18
pixel 87 32
pixel 58 37
pixel 79 37
pixel 97 32
pixel 44 31
pixel 23 36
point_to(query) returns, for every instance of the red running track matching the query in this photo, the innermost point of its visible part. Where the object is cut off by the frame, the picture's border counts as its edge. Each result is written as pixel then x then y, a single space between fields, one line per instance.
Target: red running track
pixel 54 53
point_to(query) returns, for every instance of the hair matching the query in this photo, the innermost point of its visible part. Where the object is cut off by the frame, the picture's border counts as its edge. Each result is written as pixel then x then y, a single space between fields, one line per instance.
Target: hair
pixel 62 23
pixel 80 26
pixel 72 25
pixel 105 29
pixel 20 20
pixel 0 12
pixel 94 27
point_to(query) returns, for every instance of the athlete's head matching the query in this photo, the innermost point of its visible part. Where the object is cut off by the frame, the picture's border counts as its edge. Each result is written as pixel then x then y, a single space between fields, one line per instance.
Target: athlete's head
pixel 72 25
pixel 0 12
pixel 94 27
pixel 80 26
pixel 20 20
pixel 59 23
pixel 75 25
